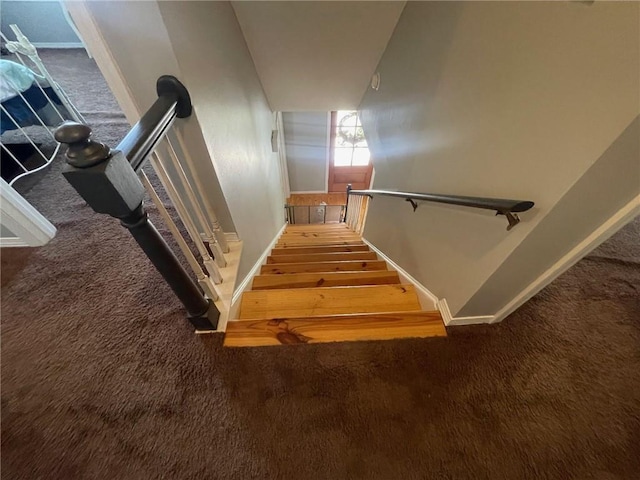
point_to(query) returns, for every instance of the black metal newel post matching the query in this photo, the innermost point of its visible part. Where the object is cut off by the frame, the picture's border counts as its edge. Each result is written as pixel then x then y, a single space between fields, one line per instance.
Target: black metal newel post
pixel 346 205
pixel 109 184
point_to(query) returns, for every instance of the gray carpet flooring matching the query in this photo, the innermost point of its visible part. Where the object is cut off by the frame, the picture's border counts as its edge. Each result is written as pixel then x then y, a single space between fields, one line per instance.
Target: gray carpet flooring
pixel 102 377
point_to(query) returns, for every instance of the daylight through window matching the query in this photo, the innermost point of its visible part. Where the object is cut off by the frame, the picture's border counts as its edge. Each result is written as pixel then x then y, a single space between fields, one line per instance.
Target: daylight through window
pixel 350 147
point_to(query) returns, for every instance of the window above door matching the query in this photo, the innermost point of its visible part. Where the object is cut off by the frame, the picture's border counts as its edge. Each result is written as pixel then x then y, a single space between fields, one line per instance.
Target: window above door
pixel 349 144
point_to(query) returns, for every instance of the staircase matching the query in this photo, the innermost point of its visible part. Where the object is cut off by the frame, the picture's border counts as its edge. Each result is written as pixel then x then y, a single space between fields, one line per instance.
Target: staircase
pixel 321 283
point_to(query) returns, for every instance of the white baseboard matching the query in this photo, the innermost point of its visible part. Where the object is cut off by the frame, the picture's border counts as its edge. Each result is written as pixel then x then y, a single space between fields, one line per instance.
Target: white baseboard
pixel 602 233
pixel 428 301
pixel 310 191
pixel 57 45
pixel 451 321
pixel 12 242
pixel 599 235
pixel 244 285
pixel 231 236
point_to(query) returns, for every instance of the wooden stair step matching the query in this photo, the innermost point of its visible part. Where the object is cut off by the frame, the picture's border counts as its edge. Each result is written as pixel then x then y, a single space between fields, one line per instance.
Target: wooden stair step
pixel 318 233
pixel 322 257
pixel 308 244
pixel 328 249
pixel 325 279
pixel 299 302
pixel 373 326
pixel 333 231
pixel 284 268
pixel 319 241
pixel 311 242
pixel 320 237
pixel 317 227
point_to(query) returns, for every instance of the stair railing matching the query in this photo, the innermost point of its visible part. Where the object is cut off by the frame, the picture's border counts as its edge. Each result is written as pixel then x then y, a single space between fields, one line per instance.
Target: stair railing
pixel 357 202
pixel 355 210
pixel 313 214
pixel 112 182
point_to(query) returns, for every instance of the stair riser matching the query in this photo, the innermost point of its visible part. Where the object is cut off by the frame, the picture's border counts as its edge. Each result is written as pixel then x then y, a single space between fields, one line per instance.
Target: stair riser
pixel 316 243
pixel 283 268
pixel 318 233
pixel 322 257
pixel 317 228
pixel 323 284
pixel 312 244
pixel 311 280
pixel 307 250
pixel 291 331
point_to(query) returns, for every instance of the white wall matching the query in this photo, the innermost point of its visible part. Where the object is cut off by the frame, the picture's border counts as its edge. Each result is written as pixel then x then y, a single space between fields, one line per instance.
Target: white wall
pixel 316 56
pixel 307 145
pixel 202 45
pixel 43 22
pixel 235 117
pixel 5 232
pixel 586 206
pixel 141 48
pixel 501 99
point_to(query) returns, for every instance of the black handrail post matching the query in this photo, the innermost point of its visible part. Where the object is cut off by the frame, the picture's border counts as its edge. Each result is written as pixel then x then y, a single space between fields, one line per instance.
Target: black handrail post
pixel 346 205
pixel 109 184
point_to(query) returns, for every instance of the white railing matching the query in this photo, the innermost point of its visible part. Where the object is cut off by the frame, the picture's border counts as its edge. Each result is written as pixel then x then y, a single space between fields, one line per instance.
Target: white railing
pixel 188 211
pixel 24 51
pixel 357 206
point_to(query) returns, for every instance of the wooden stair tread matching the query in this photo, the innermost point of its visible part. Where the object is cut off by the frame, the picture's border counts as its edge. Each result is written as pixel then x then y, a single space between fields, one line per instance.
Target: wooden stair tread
pixel 320 234
pixel 328 301
pixel 327 249
pixel 284 268
pixel 325 279
pixel 308 242
pixel 322 283
pixel 318 226
pixel 318 240
pixel 287 246
pixel 322 257
pixel 312 231
pixel 334 328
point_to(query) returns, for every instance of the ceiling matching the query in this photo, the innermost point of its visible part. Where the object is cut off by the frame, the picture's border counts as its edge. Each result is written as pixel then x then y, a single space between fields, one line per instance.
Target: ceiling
pixel 316 56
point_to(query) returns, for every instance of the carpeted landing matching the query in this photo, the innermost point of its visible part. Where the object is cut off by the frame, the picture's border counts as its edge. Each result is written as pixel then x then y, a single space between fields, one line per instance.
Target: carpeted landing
pixel 102 377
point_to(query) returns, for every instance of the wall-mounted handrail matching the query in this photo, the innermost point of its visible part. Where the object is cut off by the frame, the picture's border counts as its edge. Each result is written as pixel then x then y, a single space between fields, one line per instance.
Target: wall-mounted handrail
pixel 502 206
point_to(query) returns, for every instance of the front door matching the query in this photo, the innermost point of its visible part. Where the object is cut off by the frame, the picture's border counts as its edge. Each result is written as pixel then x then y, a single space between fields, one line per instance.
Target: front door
pixel 349 160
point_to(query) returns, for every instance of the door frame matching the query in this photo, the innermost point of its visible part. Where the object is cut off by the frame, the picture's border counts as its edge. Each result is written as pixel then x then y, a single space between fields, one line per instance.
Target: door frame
pixel 28 225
